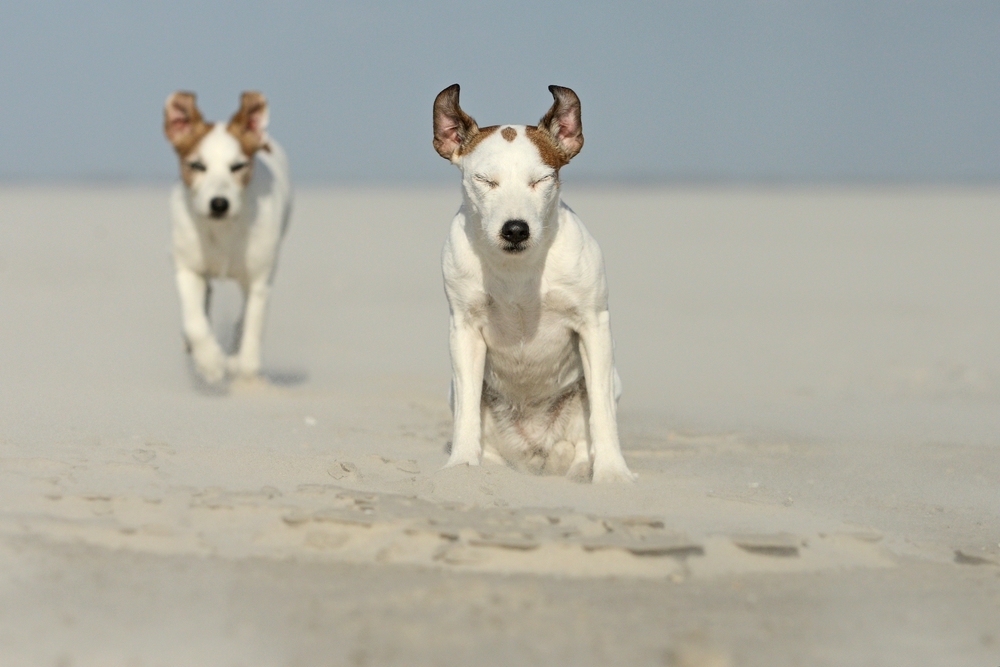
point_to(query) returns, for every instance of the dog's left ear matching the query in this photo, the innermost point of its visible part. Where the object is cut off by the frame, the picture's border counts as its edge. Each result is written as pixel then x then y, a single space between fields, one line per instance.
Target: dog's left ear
pixel 249 124
pixel 562 121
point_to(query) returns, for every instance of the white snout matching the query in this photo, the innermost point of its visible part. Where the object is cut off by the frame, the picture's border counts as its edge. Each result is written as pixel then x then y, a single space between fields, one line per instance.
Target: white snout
pixel 216 190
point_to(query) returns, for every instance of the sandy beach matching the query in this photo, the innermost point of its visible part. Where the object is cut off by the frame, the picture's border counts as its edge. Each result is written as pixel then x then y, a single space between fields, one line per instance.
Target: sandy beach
pixel 811 402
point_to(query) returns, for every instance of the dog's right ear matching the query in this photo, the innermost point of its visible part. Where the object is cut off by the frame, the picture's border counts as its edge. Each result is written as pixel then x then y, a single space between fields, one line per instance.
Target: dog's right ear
pixel 182 122
pixel 452 126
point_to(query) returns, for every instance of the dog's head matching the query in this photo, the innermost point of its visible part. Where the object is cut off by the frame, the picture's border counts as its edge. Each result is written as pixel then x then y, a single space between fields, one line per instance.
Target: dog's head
pixel 510 173
pixel 216 161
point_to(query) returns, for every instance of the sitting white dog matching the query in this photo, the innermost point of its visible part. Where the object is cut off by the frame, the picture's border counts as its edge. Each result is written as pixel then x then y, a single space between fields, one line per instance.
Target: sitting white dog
pixel 229 212
pixel 533 380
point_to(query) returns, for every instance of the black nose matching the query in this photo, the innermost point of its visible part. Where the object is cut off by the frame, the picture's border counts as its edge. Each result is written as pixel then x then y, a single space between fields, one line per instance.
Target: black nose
pixel 219 205
pixel 515 231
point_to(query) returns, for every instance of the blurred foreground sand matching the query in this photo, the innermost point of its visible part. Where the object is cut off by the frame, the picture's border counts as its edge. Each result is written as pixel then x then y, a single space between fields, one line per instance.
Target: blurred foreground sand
pixel 812 402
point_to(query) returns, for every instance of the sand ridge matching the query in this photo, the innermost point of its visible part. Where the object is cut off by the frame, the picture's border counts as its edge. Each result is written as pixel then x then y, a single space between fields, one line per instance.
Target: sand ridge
pixel 330 522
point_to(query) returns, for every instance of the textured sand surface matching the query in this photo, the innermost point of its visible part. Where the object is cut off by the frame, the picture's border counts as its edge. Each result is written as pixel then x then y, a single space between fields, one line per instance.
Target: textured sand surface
pixel 812 402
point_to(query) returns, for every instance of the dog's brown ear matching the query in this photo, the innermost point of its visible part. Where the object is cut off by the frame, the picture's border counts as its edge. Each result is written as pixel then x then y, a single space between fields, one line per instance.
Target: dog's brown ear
pixel 249 124
pixel 452 126
pixel 562 121
pixel 182 122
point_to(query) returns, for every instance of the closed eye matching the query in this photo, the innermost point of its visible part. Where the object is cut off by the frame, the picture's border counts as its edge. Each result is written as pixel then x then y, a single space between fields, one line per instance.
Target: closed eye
pixel 238 166
pixel 197 165
pixel 486 181
pixel 547 177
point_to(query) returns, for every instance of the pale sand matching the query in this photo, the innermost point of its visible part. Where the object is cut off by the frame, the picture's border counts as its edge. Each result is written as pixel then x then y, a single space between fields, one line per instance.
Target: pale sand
pixel 812 403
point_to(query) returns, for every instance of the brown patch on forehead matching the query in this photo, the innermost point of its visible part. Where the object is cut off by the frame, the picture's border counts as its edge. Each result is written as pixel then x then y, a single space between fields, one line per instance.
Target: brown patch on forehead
pixel 187 144
pixel 248 144
pixel 190 146
pixel 548 149
pixel 508 133
pixel 470 144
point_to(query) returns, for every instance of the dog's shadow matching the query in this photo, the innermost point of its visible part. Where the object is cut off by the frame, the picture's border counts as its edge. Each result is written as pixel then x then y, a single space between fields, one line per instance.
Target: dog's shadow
pixel 286 377
pixel 269 378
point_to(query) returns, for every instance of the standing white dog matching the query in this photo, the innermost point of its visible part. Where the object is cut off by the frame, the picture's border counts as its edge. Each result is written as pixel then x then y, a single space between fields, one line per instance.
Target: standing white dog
pixel 533 378
pixel 229 214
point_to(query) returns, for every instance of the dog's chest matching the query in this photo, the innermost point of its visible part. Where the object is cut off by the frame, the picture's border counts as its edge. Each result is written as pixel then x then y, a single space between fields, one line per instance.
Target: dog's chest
pixel 532 348
pixel 223 247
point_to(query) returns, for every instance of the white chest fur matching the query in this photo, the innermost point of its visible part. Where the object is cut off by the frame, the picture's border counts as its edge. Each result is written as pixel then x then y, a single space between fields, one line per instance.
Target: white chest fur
pixel 533 352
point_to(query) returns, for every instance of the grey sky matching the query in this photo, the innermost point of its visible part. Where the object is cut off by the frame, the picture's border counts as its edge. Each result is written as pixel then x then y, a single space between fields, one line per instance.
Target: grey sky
pixel 693 90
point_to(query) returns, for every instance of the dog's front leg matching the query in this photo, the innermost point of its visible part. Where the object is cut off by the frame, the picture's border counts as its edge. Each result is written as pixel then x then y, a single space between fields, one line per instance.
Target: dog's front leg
pixel 247 361
pixel 599 371
pixel 209 359
pixel 468 360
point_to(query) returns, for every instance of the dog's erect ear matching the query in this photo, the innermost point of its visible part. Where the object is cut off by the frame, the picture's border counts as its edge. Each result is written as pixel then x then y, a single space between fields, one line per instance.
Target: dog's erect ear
pixel 562 121
pixel 182 122
pixel 249 124
pixel 452 126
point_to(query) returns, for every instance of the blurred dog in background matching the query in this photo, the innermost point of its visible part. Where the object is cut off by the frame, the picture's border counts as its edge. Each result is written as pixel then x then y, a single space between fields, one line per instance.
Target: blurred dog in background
pixel 230 212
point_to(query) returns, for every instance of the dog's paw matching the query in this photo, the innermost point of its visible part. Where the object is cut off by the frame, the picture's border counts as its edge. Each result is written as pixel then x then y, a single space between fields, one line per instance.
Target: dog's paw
pixel 243 367
pixel 211 374
pixel 465 452
pixel 493 457
pixel 233 365
pixel 560 458
pixel 615 473
pixel 580 471
pixel 210 362
pixel 461 460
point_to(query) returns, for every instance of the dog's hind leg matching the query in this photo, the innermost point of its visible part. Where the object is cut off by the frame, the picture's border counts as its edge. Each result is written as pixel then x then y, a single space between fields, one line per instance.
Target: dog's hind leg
pixel 491 435
pixel 580 470
pixel 209 359
pixel 573 423
pixel 560 457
